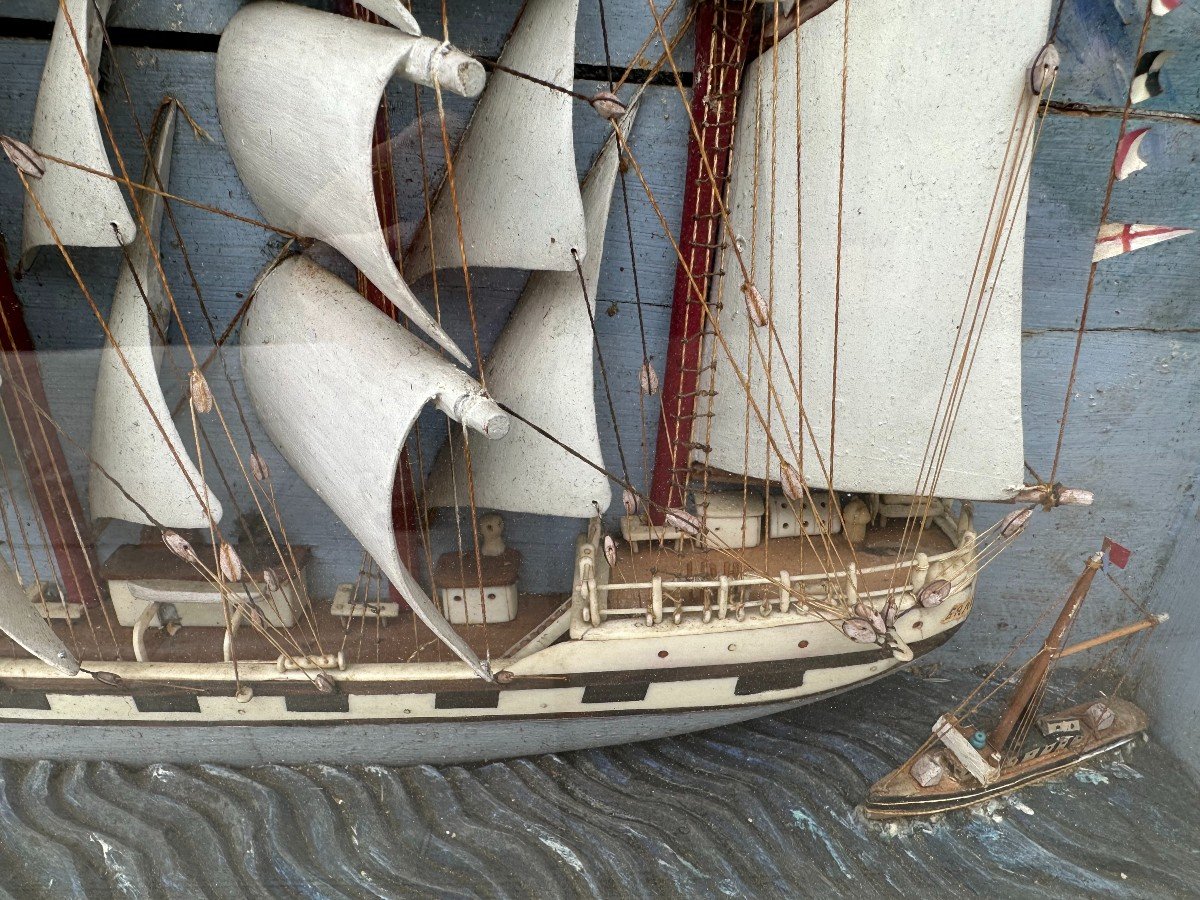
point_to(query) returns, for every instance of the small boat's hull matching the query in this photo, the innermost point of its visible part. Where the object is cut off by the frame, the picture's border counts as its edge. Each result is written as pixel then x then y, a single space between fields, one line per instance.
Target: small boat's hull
pixel 898 795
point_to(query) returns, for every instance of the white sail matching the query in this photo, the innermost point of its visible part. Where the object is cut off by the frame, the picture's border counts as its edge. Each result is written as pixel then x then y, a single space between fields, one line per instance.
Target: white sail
pixel 932 92
pixel 542 367
pixel 515 180
pixel 21 619
pixel 338 385
pixel 298 91
pixel 134 439
pixel 87 210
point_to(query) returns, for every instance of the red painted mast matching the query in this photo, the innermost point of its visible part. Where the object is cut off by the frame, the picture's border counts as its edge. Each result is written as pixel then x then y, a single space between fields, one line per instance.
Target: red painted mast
pixel 404 501
pixel 723 38
pixel 36 440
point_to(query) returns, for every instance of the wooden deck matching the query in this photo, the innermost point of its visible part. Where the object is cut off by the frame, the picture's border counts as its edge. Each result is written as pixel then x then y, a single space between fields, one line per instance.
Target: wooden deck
pixel 795 555
pixel 407 639
pixel 403 639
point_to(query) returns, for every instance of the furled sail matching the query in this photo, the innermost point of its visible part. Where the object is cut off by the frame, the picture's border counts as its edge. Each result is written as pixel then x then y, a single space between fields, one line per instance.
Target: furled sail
pixel 516 190
pixel 932 91
pixel 298 91
pixel 150 478
pixel 542 367
pixel 338 385
pixel 87 210
pixel 22 621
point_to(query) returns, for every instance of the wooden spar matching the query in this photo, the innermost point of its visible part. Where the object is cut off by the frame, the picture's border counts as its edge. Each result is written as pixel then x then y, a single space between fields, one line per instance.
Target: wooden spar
pixel 35 439
pixel 723 37
pixel 1115 635
pixel 404 501
pixel 1035 673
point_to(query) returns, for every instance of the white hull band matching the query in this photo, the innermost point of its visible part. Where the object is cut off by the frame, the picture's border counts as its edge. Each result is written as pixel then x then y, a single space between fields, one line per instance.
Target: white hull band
pixel 444 726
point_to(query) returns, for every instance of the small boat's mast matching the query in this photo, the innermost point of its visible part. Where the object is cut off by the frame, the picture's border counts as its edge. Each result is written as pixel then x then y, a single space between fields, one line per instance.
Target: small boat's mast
pixel 1039 667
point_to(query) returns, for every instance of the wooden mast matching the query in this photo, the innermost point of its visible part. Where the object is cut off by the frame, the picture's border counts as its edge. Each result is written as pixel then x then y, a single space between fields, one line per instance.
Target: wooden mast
pixel 36 441
pixel 1038 667
pixel 723 36
pixel 404 501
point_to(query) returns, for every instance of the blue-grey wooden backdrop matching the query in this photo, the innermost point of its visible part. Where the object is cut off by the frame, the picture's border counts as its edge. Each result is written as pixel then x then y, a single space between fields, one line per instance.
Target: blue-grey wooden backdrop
pixel 1135 423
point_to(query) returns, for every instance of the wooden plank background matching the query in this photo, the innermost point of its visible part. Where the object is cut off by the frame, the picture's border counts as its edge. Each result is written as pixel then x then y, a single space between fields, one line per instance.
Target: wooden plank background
pixel 1134 436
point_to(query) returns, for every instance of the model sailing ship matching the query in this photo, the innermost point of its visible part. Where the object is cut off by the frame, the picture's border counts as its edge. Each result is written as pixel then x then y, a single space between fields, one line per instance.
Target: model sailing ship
pixel 838 390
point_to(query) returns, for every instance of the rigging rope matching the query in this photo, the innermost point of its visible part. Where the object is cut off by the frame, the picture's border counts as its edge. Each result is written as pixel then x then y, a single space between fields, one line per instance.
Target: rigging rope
pixel 942 428
pixel 774 401
pixel 155 256
pixel 1104 209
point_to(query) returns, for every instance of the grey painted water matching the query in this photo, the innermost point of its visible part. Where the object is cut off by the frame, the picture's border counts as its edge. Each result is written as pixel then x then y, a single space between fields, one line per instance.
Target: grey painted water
pixel 763 809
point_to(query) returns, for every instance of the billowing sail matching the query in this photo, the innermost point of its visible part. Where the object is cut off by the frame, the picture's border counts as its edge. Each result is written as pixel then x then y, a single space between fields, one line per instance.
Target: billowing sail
pixel 338 385
pixel 932 91
pixel 515 183
pixel 22 621
pixel 134 439
pixel 87 210
pixel 298 91
pixel 542 367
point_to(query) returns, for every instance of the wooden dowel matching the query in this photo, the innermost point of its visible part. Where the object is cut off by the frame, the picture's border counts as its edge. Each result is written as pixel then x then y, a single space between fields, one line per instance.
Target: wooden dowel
pixel 1115 634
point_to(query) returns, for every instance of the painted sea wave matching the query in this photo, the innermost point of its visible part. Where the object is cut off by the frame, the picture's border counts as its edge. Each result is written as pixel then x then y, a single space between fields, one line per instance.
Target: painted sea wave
pixel 763 809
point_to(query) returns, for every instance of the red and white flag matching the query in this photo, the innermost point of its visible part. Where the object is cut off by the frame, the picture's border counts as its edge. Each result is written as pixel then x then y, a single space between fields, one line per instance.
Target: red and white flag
pixel 1117 555
pixel 1116 238
pixel 1162 7
pixel 1128 159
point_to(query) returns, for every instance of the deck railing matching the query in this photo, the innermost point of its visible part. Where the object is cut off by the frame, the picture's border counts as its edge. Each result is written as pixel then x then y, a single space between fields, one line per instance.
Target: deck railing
pixel 674 599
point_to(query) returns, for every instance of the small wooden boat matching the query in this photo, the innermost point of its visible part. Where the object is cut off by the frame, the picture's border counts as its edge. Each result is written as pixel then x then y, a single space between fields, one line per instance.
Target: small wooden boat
pixel 960 767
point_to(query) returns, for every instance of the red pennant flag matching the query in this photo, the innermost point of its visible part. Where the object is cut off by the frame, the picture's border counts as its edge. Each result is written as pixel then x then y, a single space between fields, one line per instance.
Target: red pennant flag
pixel 1117 555
pixel 1115 238
pixel 1128 158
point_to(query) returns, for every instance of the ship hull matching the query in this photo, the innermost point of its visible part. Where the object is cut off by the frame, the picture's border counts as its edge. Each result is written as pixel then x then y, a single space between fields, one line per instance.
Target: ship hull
pixel 400 744
pixel 632 677
pixel 438 721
